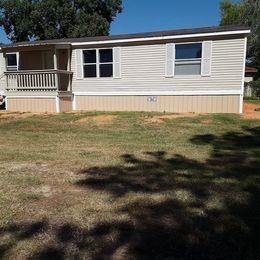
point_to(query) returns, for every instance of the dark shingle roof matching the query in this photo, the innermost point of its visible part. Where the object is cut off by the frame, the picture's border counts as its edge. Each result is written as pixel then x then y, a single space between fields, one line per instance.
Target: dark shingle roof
pixel 250 69
pixel 134 36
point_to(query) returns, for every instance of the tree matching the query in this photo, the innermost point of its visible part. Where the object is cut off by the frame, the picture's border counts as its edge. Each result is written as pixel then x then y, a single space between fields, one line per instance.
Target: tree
pixel 24 20
pixel 245 12
pixel 15 19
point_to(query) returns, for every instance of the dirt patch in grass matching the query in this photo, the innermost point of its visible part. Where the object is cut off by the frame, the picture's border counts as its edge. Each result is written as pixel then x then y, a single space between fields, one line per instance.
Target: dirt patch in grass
pixel 249 111
pixel 4 115
pixel 207 122
pixel 162 118
pixel 101 119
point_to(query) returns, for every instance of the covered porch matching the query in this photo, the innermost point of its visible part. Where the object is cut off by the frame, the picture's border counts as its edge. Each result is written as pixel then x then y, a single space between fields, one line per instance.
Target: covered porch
pixel 38 77
pixel 41 68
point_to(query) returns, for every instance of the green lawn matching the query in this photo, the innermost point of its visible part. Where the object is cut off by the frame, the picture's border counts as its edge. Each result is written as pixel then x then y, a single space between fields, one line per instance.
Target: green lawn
pixel 253 101
pixel 123 186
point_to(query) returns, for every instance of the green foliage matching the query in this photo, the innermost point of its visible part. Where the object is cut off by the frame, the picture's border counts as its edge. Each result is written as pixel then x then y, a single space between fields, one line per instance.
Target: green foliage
pixel 24 20
pixel 230 13
pixel 255 86
pixel 245 12
pixel 16 19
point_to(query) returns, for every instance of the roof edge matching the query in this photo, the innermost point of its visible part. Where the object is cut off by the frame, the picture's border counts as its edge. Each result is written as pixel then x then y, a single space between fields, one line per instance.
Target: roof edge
pixel 148 36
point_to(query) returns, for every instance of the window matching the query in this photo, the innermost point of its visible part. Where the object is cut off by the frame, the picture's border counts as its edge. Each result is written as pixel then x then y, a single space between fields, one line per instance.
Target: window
pixel 106 63
pixel 98 63
pixel 188 59
pixel 11 62
pixel 90 63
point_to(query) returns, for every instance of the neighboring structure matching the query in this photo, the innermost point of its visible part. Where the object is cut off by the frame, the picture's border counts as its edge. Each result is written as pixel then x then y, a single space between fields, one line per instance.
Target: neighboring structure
pixel 250 73
pixel 249 76
pixel 191 70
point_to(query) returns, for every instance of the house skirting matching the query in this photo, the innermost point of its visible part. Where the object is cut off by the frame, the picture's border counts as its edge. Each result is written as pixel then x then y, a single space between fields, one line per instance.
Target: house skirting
pixel 39 104
pixel 175 104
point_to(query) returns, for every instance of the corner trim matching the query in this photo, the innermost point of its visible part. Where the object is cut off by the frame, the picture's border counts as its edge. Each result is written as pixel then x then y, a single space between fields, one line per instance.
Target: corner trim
pixel 6 103
pixel 74 103
pixel 57 104
pixel 243 79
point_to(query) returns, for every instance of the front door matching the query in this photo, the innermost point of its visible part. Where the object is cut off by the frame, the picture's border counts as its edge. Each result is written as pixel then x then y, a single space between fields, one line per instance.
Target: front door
pixel 62 59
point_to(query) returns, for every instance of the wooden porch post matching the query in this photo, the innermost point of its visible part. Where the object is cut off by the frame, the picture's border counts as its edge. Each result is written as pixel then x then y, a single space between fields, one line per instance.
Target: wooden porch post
pixel 69 60
pixel 69 69
pixel 55 57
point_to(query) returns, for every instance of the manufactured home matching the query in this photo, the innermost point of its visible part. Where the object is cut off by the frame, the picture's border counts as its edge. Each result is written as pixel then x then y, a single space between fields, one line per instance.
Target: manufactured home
pixel 191 70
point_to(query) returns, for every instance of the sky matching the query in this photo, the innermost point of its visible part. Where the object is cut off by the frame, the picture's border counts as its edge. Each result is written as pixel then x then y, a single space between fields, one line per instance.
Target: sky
pixel 158 15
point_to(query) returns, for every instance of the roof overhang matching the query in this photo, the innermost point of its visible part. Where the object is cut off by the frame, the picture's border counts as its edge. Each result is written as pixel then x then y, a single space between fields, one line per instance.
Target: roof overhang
pixel 218 32
pixel 162 38
pixel 36 46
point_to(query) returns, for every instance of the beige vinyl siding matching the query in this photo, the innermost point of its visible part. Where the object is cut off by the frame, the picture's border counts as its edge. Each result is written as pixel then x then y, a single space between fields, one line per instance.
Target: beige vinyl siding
pixel 176 104
pixel 37 105
pixel 143 69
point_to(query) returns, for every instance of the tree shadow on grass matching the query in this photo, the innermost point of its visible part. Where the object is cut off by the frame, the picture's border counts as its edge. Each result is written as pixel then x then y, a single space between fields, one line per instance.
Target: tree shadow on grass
pixel 177 207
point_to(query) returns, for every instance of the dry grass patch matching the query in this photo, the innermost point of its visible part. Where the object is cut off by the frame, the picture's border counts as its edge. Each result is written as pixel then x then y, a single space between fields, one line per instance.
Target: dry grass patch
pixel 4 115
pixel 100 119
pixel 162 118
pixel 207 122
pixel 249 111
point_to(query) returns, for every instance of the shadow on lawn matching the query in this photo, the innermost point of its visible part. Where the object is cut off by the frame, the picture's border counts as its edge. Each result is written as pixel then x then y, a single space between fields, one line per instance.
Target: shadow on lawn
pixel 179 208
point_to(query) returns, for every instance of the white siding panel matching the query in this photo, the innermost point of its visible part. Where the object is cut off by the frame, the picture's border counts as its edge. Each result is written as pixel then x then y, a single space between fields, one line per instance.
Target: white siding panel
pixel 143 69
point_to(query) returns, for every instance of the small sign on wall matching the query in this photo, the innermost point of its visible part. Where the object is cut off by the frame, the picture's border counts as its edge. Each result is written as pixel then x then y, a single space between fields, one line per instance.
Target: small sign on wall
pixel 152 99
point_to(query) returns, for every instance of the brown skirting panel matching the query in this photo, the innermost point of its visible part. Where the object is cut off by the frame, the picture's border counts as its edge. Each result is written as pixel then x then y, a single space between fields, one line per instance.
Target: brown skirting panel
pixel 65 103
pixel 175 104
pixel 31 104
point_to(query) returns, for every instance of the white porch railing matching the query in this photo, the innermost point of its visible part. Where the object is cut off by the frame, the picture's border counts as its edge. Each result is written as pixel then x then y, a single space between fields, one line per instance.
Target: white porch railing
pixel 40 80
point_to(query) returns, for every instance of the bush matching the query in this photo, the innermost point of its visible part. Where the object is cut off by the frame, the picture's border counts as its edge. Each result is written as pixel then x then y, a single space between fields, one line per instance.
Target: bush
pixel 255 86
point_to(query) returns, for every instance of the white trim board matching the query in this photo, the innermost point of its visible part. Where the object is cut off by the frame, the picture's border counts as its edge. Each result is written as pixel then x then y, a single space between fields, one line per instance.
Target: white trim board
pixel 57 103
pixel 158 38
pixel 6 103
pixel 161 93
pixel 243 79
pixel 10 97
pixel 74 103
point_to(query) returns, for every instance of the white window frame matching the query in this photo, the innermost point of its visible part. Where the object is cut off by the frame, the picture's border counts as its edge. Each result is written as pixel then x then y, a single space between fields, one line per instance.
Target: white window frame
pixel 84 64
pixel 17 61
pixel 97 63
pixel 105 63
pixel 187 61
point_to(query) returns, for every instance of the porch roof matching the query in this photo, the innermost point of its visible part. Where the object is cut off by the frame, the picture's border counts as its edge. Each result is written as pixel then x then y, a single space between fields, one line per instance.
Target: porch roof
pixel 226 31
pixel 36 45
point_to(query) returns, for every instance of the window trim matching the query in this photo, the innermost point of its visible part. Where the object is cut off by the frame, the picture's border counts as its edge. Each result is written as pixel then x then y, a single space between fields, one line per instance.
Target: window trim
pixel 98 63
pixel 85 64
pixel 188 61
pixel 17 61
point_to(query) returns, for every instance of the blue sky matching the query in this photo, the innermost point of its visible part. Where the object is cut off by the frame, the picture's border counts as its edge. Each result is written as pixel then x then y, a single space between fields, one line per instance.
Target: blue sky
pixel 156 15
